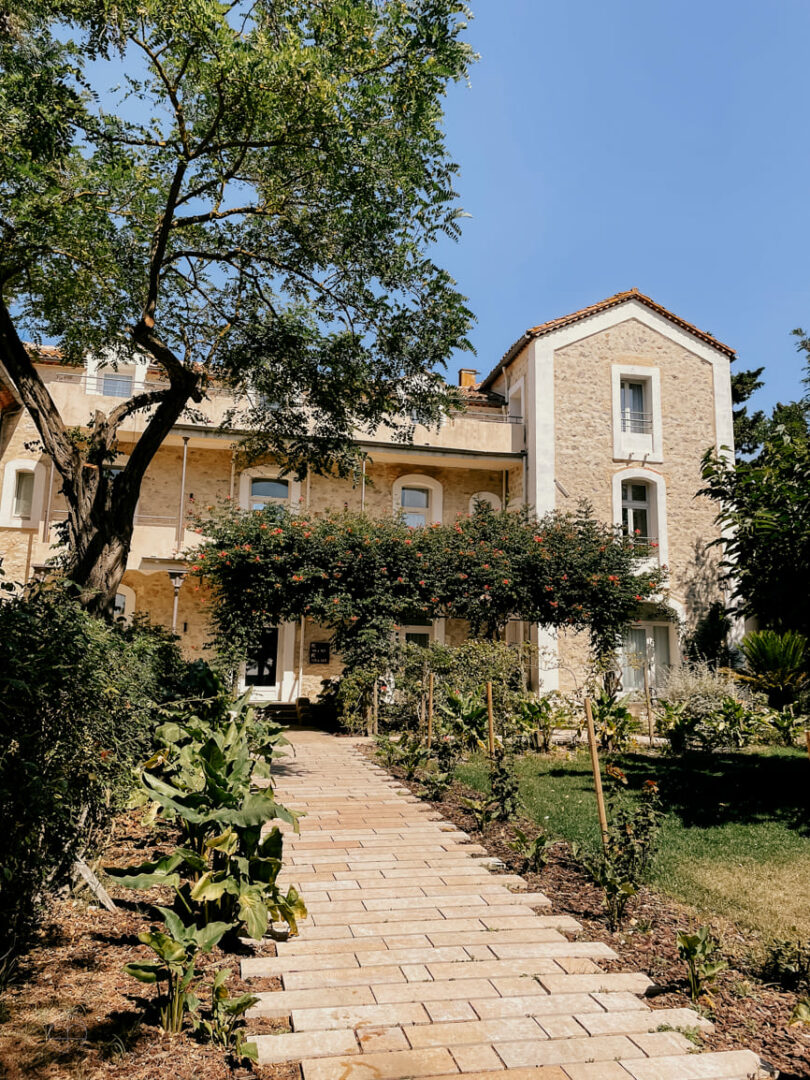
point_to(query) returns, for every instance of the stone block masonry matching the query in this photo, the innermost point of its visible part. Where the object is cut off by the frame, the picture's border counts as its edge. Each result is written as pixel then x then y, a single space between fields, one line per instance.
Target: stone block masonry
pixel 418 961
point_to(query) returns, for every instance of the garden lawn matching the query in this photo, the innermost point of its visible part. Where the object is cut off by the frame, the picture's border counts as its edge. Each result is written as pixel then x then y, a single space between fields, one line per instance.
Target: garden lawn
pixel 736 837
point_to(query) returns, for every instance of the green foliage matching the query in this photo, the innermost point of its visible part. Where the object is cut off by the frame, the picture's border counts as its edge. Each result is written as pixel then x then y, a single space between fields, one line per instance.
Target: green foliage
pixel 225 187
pixel 225 869
pixel 732 725
pixel 78 701
pixel 776 665
pixel 466 718
pixel 539 715
pixel 362 577
pixel 613 722
pixel 224 1024
pixel 411 755
pixel 801 1012
pixel 504 787
pixel 623 863
pixel 697 951
pixel 535 853
pixel 787 962
pixel 176 948
pixel 787 725
pixel 764 508
pixel 709 640
pixel 484 811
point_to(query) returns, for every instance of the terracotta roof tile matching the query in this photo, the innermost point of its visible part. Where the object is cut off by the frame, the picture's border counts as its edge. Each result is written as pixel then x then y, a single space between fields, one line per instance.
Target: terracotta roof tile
pixel 596 309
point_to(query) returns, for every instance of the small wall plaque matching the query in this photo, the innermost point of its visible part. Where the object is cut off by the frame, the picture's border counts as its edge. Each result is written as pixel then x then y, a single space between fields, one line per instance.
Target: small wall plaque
pixel 319 652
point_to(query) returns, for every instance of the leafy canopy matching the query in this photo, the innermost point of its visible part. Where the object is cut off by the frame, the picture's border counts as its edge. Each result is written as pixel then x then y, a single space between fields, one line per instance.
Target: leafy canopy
pixel 363 577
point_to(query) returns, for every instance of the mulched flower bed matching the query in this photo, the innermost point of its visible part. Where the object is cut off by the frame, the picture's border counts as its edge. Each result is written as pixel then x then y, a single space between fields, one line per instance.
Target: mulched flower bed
pixel 72 1012
pixel 745 1011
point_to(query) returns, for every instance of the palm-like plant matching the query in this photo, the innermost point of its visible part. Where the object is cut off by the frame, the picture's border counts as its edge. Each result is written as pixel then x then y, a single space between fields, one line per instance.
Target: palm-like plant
pixel 776 664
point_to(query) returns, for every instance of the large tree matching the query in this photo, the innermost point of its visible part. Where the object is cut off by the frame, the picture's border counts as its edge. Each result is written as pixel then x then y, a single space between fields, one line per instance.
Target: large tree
pixel 255 206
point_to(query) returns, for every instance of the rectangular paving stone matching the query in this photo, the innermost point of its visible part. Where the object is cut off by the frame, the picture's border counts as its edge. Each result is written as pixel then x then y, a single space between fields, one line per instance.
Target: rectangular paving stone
pixel 387 1066
pixel 662 1043
pixel 629 1022
pixel 537 1004
pixel 634 981
pixel 434 991
pixel 476 1031
pixel 345 976
pixel 725 1065
pixel 292 1046
pixel 559 1051
pixel 474 1059
pixel 359 1016
pixel 282 1002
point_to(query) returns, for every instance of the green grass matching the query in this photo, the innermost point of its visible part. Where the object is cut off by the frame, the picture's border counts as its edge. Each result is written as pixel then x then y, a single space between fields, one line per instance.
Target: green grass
pixel 736 837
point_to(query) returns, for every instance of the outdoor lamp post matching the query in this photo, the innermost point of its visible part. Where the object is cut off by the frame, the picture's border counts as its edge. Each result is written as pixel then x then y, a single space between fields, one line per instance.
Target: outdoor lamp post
pixel 176 577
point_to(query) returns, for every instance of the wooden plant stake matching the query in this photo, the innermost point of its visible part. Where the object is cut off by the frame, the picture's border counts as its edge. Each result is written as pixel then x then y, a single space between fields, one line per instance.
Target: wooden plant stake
pixel 430 710
pixel 807 739
pixel 375 706
pixel 491 721
pixel 597 776
pixel 648 699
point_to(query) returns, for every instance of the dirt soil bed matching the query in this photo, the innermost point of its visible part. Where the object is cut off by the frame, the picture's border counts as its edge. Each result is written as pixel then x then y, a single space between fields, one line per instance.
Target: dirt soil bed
pixel 72 1012
pixel 746 1012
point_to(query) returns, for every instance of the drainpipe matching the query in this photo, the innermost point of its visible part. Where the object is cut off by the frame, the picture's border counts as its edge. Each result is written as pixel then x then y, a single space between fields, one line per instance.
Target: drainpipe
pixel 46 524
pixel 301 658
pixel 233 475
pixel 503 490
pixel 181 514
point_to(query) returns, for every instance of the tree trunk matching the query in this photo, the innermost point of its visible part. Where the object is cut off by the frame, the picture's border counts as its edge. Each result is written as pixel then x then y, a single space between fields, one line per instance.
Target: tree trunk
pixel 98 560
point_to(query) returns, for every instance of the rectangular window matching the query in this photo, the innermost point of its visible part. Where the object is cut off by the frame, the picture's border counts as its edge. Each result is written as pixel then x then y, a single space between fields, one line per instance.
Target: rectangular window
pixel 268 492
pixel 636 512
pixel 116 385
pixel 24 494
pixel 636 417
pixel 647 644
pixel 634 656
pixel 415 504
pixel 260 667
pixel 417 638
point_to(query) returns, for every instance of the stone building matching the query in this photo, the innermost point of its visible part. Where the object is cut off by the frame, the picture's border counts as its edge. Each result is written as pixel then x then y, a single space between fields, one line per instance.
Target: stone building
pixel 614 404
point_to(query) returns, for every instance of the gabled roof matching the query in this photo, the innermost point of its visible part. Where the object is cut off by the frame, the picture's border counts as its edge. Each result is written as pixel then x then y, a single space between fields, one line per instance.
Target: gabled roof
pixel 596 309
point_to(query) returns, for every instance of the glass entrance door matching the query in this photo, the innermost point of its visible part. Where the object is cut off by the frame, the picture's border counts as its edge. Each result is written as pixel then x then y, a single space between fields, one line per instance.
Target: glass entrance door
pixel 262 661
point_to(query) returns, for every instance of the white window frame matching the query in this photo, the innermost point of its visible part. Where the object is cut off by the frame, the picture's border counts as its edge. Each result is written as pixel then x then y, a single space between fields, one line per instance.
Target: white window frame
pixel 637 444
pixel 485 496
pixel 268 472
pixel 418 480
pixel 434 629
pixel 8 519
pixel 656 513
pixel 128 594
pixel 517 391
pixel 649 627
pixel 97 368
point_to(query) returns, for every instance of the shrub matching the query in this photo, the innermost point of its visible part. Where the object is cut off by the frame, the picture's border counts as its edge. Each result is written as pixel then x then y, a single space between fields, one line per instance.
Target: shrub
pixel 697 951
pixel 776 665
pixel 535 853
pixel 786 725
pixel 704 709
pixel 505 788
pixel 787 962
pixel 613 722
pixel 78 701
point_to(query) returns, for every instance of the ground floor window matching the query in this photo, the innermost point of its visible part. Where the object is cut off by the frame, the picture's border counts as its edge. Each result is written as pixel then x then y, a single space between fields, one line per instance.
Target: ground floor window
pixel 647 643
pixel 262 660
pixel 417 629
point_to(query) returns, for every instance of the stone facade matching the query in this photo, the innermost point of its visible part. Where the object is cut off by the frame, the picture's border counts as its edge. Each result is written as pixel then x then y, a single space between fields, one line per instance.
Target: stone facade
pixel 561 378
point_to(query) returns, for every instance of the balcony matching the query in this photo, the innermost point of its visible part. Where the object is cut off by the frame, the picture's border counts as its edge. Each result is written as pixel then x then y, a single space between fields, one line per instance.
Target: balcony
pixel 637 423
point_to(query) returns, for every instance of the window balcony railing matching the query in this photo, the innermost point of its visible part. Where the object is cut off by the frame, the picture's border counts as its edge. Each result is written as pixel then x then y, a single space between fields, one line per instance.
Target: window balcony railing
pixel 637 423
pixel 644 547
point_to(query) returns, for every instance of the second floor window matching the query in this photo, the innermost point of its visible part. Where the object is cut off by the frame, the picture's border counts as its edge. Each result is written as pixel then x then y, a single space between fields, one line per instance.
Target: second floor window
pixel 415 503
pixel 116 385
pixel 636 415
pixel 266 491
pixel 636 511
pixel 23 494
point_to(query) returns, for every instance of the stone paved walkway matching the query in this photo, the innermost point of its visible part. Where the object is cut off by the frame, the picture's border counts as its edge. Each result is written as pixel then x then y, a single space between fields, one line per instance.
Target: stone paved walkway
pixel 418 961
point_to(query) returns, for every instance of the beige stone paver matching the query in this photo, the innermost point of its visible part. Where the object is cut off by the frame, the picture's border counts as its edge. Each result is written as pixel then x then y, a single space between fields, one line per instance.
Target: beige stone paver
pixel 419 959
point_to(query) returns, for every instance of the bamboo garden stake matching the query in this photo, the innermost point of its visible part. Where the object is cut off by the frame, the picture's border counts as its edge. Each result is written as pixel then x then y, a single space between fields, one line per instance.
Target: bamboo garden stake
pixel 430 710
pixel 491 721
pixel 648 699
pixel 597 776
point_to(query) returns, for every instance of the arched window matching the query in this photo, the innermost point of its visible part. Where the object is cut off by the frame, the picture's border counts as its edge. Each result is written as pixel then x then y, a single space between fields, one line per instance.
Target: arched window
pixel 640 509
pixel 418 499
pixel 261 486
pixel 484 497
pixel 22 493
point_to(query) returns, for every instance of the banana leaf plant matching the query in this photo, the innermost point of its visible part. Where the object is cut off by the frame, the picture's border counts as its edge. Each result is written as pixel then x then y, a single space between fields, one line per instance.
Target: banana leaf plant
pixel 176 948
pixel 224 1024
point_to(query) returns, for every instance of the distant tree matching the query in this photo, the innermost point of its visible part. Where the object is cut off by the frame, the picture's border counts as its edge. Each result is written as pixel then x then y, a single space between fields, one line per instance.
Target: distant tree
pixel 747 426
pixel 255 206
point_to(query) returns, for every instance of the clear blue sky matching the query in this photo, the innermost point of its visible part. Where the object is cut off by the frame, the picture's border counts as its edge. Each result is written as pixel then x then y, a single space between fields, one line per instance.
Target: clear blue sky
pixel 606 145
